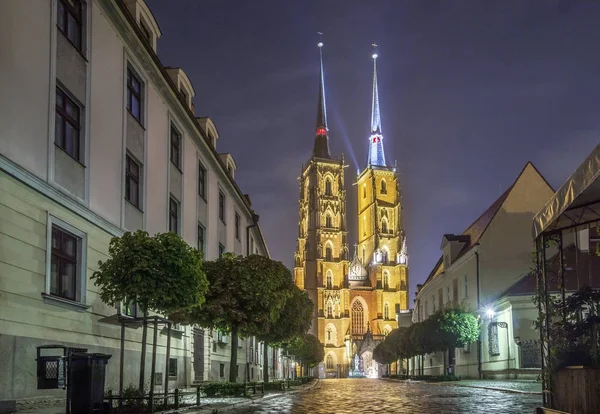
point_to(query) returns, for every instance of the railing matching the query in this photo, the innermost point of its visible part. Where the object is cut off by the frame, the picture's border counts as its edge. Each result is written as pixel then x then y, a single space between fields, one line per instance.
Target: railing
pixel 149 400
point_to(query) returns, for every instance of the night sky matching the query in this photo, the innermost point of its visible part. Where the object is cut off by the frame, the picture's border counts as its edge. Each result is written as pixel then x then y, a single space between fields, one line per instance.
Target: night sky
pixel 470 91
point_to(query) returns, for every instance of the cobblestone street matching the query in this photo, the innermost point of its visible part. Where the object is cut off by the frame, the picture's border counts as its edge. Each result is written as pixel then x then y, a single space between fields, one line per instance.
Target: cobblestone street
pixel 385 396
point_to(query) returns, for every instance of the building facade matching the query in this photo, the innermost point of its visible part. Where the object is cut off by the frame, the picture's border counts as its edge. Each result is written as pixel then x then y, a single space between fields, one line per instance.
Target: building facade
pixel 484 268
pixel 356 301
pixel 97 138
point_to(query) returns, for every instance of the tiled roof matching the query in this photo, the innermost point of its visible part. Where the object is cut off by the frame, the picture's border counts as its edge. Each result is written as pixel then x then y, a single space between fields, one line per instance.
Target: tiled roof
pixel 473 233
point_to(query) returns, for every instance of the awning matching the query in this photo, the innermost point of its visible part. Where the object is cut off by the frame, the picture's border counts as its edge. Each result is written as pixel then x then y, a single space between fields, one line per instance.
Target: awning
pixel 577 201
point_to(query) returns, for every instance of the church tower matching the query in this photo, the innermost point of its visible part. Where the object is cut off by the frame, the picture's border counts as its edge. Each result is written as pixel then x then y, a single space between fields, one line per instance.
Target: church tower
pixel 321 258
pixel 381 238
pixel 355 303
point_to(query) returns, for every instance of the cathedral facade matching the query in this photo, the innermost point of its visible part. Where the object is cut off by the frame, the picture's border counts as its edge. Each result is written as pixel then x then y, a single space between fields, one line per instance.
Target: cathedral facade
pixel 357 296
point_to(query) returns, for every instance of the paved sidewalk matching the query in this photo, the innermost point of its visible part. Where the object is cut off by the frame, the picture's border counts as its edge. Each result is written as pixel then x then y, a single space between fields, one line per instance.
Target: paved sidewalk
pixel 516 386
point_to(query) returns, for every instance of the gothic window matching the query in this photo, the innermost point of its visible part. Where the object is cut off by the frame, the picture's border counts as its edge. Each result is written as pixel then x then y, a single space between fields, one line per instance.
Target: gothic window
pixel 383 187
pixel 364 191
pixel 328 187
pixel 329 280
pixel 386 312
pixel 328 221
pixel 329 310
pixel 386 280
pixel 329 362
pixel 328 253
pixel 384 228
pixel 384 256
pixel 358 318
pixel 329 334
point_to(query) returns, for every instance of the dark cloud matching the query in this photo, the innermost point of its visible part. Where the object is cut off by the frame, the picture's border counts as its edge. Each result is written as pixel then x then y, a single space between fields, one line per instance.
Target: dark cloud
pixel 470 91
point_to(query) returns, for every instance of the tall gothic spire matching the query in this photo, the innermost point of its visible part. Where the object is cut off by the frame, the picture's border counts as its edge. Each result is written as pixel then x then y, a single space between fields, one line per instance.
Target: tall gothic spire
pixel 376 155
pixel 321 148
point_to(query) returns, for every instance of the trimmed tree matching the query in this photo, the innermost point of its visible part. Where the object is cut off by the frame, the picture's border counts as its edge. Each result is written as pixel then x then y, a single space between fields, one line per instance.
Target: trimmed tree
pixel 244 297
pixel 161 273
pixel 293 321
pixel 308 350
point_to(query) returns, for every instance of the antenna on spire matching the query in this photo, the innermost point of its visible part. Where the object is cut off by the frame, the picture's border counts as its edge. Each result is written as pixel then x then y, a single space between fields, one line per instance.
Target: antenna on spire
pixel 374 50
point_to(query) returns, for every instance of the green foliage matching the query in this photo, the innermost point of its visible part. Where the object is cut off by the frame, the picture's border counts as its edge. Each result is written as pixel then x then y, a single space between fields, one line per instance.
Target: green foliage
pixel 223 389
pixel 244 293
pixel 293 320
pixel 162 272
pixel 450 327
pixel 306 349
pixel 383 353
pixel 455 327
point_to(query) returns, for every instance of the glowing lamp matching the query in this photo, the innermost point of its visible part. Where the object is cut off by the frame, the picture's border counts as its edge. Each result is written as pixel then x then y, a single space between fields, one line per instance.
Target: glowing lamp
pixel 489 312
pixel 321 131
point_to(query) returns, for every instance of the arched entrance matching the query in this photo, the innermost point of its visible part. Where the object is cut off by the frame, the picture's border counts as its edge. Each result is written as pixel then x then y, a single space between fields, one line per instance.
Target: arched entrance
pixel 370 367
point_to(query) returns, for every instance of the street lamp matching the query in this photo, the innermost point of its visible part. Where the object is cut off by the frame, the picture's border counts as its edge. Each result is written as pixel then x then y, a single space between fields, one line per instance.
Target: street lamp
pixel 490 313
pixel 503 325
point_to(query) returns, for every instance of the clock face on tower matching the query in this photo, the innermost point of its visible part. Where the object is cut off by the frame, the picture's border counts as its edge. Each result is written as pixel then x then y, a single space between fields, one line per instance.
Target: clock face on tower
pixel 376 139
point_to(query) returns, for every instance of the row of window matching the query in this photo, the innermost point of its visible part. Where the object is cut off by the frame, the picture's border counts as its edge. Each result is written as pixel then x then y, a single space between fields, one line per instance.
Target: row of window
pixel 451 295
pixel 382 189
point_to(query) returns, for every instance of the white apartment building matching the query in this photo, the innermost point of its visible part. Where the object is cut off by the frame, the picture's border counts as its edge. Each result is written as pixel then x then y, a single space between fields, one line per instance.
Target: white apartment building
pixel 98 138
pixel 487 268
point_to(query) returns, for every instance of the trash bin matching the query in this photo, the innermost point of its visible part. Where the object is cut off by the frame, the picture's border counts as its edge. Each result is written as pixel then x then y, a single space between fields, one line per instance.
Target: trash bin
pixel 87 382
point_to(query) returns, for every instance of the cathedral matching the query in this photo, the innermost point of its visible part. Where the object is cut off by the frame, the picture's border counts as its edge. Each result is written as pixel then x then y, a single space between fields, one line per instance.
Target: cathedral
pixel 357 291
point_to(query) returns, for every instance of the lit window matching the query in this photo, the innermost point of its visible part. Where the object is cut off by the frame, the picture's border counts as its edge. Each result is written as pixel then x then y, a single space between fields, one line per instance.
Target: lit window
pixel 329 362
pixel 328 223
pixel 386 311
pixel 383 187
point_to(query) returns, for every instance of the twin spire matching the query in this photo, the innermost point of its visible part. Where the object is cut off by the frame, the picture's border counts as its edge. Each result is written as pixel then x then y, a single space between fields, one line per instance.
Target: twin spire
pixel 321 147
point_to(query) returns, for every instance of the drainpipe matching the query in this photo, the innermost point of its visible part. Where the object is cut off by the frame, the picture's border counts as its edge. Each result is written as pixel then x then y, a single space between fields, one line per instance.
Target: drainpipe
pixel 254 224
pixel 479 350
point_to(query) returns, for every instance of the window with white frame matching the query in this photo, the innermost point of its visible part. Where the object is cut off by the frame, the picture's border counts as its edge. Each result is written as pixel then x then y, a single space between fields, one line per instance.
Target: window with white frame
pixel 222 206
pixel 68 129
pixel 70 15
pixel 237 226
pixel 66 277
pixel 201 235
pixel 132 181
pixel 175 147
pixel 134 95
pixel 466 285
pixel 173 215
pixel 201 181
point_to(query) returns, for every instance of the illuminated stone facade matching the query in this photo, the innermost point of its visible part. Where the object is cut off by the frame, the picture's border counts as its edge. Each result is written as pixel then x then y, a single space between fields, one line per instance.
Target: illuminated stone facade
pixel 356 301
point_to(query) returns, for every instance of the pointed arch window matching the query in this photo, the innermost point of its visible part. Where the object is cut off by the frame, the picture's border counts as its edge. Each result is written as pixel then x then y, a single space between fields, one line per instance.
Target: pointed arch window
pixel 384 256
pixel 364 191
pixel 329 334
pixel 358 318
pixel 328 253
pixel 383 189
pixel 386 312
pixel 329 280
pixel 329 362
pixel 384 227
pixel 328 191
pixel 328 221
pixel 386 280
pixel 329 310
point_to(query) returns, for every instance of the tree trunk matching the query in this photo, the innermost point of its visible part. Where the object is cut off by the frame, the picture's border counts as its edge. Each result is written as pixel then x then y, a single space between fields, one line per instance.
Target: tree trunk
pixel 265 362
pixel 233 359
pixel 143 361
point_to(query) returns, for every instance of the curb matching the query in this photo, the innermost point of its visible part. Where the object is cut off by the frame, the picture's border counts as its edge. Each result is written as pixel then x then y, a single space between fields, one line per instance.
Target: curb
pixel 236 405
pixel 449 383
